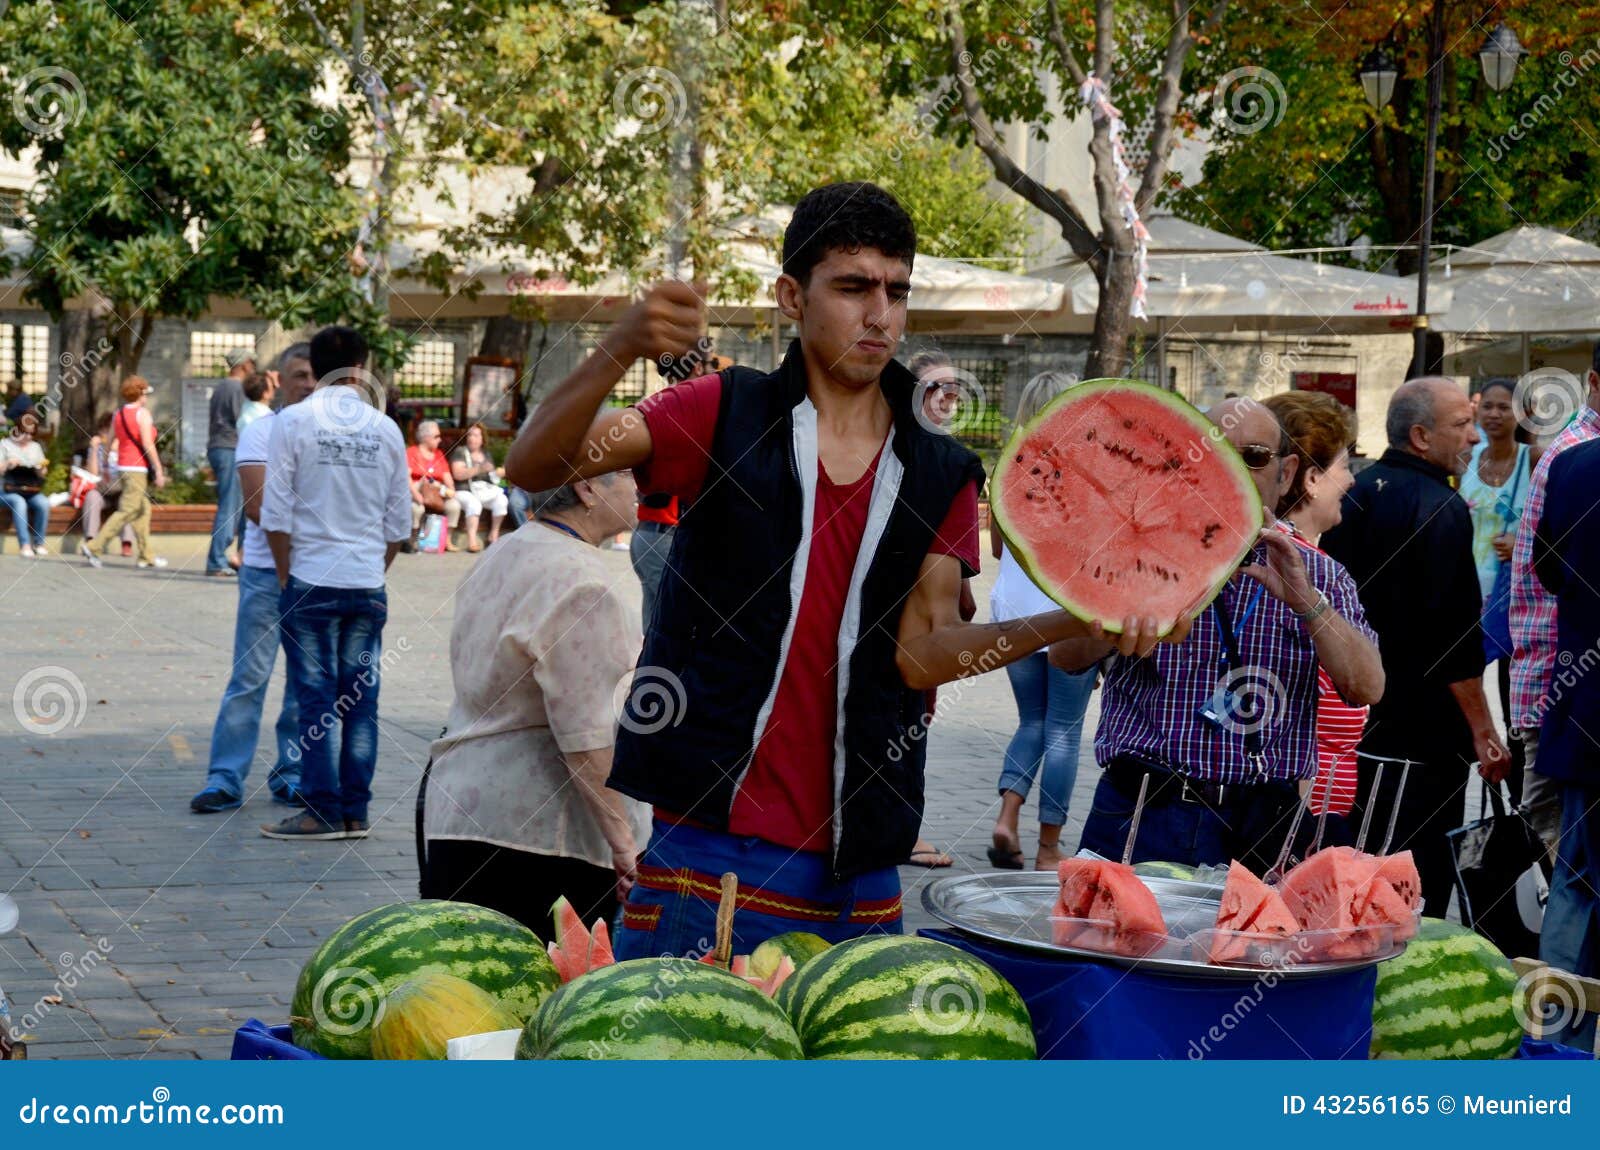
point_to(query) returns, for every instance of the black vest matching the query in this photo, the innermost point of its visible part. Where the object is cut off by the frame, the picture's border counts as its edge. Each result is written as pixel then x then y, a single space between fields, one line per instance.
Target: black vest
pixel 726 601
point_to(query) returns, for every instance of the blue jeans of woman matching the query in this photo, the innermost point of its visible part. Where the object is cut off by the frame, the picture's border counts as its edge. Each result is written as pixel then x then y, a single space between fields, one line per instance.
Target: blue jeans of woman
pixel 333 640
pixel 30 515
pixel 1050 707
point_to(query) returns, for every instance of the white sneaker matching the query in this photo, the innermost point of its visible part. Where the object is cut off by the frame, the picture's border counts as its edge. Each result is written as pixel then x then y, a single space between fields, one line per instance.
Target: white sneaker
pixel 26 552
pixel 156 562
pixel 40 551
pixel 94 560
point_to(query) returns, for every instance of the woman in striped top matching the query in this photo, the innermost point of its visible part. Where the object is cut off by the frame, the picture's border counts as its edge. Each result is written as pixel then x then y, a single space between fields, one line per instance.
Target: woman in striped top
pixel 1321 430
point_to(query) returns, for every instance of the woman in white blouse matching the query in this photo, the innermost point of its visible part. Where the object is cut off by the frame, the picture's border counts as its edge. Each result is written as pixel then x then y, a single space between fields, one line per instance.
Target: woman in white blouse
pixel 515 810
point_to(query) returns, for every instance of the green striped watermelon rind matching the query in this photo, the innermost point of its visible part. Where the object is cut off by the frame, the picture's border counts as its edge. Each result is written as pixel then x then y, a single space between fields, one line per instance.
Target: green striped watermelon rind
pixel 1451 995
pixel 659 1009
pixel 1211 434
pixel 341 988
pixel 893 997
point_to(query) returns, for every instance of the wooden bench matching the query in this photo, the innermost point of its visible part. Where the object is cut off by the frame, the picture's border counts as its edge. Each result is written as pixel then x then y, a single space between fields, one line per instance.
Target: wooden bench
pixel 165 519
pixel 1554 996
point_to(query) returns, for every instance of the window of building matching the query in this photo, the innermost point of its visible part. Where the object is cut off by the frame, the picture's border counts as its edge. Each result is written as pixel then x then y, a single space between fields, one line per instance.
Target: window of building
pixel 13 207
pixel 206 349
pixel 25 356
pixel 430 371
pixel 987 426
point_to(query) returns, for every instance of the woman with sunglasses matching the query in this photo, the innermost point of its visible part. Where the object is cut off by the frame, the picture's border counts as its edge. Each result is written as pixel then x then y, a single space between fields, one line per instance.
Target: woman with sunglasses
pixel 1320 431
pixel 1495 488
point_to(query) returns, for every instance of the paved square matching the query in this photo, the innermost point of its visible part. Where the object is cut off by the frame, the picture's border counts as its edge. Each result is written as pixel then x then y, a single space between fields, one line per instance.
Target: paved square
pixel 161 931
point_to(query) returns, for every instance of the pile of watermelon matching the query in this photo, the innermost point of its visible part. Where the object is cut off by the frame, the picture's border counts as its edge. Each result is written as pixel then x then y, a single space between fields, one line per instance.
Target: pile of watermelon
pixel 399 982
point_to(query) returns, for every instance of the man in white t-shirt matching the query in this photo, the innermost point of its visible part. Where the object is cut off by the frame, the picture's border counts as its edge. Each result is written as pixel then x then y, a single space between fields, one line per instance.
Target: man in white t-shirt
pixel 255 631
pixel 336 509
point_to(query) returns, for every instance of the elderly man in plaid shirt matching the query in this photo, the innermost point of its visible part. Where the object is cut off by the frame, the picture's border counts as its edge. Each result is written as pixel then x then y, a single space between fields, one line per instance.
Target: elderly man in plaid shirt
pixel 1224 723
pixel 1533 622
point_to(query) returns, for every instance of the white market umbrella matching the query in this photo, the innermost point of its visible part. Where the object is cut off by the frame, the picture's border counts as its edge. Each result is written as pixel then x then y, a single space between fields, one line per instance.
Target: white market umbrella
pixel 1526 280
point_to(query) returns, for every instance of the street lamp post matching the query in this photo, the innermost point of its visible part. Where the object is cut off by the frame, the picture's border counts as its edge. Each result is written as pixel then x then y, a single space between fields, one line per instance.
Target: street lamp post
pixel 1499 57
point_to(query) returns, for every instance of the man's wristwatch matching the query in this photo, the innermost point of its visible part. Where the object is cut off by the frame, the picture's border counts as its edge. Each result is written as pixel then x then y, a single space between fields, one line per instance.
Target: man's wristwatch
pixel 1316 611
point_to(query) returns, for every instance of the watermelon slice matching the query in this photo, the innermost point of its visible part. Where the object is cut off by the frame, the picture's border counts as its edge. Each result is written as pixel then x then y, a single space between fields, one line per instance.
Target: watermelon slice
pixel 578 951
pixel 1104 906
pixel 744 967
pixel 1338 894
pixel 1400 871
pixel 1121 499
pixel 1249 908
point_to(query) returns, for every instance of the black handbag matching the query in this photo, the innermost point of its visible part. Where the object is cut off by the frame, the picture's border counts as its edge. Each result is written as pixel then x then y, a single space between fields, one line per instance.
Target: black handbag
pixel 1501 877
pixel 24 481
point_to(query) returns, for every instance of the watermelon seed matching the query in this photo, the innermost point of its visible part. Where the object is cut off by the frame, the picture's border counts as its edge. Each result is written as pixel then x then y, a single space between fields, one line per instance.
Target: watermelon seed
pixel 1019 459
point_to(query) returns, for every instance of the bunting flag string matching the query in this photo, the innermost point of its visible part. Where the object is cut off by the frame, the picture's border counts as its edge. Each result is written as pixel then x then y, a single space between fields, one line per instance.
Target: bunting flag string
pixel 1097 98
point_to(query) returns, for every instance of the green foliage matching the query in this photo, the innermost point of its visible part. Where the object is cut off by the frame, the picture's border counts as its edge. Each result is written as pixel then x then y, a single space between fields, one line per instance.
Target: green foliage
pixel 179 160
pixel 1331 169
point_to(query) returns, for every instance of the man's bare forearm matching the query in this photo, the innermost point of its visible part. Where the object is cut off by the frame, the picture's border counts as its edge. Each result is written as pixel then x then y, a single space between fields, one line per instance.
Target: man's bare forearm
pixel 278 541
pixel 959 649
pixel 1352 660
pixel 1473 703
pixel 546 452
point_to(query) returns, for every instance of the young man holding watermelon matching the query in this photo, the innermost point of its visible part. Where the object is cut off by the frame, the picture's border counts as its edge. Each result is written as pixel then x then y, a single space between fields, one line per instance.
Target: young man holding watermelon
pixel 1224 724
pixel 811 597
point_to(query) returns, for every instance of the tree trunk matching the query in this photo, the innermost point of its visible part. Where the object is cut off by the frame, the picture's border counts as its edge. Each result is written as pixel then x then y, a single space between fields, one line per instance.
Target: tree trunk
pixel 89 376
pixel 1113 320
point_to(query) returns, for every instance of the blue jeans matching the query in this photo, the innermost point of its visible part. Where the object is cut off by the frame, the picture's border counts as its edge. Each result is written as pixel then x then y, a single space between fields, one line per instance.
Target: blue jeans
pixel 647 549
pixel 1050 706
pixel 518 507
pixel 333 638
pixel 1570 939
pixel 225 527
pixel 255 649
pixel 28 511
pixel 672 909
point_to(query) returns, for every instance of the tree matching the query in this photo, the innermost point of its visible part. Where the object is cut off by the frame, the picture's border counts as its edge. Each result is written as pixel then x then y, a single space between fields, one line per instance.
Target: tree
pixel 174 166
pixel 666 123
pixel 979 64
pixel 1333 169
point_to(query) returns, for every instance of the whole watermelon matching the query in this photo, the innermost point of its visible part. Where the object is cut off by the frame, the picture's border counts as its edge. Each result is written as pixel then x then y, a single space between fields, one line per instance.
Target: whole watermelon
pixel 888 996
pixel 342 985
pixel 420 1016
pixel 1450 995
pixel 661 1009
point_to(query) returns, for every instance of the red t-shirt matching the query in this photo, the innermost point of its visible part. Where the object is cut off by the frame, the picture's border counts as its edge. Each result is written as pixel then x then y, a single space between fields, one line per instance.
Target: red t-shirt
pixel 787 795
pixel 436 468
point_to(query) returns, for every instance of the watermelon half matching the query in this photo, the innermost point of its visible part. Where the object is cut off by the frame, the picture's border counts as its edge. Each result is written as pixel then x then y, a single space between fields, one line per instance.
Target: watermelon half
pixel 1121 499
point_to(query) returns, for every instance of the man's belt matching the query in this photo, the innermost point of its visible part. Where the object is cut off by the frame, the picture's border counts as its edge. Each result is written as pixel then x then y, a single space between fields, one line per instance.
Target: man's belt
pixel 1167 786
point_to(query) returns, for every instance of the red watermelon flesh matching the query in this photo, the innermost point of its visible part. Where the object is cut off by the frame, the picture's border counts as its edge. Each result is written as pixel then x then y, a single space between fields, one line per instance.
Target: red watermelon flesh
pixel 577 951
pixel 1249 907
pixel 1120 499
pixel 1400 870
pixel 1332 893
pixel 1098 891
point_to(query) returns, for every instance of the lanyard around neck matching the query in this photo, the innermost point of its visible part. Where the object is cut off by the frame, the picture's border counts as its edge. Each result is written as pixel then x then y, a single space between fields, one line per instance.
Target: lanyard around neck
pixel 1230 635
pixel 559 526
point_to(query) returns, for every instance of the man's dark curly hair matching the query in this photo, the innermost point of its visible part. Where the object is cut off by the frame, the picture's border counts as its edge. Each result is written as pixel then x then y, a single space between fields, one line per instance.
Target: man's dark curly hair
pixel 846 217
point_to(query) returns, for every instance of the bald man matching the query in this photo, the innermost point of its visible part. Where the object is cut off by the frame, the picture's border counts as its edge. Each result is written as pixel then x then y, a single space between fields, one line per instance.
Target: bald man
pixel 1224 723
pixel 1406 538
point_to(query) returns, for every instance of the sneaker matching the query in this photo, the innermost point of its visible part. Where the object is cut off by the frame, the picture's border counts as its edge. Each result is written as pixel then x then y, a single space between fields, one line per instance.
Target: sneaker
pixel 94 560
pixel 156 562
pixel 26 552
pixel 303 826
pixel 220 573
pixel 40 551
pixel 212 800
pixel 355 828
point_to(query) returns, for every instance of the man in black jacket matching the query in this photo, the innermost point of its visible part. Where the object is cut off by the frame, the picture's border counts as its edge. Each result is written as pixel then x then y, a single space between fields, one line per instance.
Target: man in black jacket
pixel 1566 557
pixel 1406 538
pixel 810 598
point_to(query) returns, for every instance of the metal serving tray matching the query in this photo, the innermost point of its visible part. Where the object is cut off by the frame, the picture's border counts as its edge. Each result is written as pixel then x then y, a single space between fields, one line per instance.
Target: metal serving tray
pixel 1014 909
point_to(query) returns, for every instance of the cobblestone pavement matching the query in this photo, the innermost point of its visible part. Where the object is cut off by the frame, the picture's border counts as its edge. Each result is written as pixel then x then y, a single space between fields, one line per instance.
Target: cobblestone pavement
pixel 160 931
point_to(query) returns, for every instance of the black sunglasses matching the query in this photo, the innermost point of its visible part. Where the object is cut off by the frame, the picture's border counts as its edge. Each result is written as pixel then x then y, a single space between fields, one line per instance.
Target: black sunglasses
pixel 1257 455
